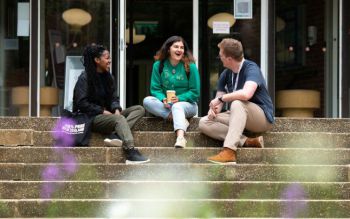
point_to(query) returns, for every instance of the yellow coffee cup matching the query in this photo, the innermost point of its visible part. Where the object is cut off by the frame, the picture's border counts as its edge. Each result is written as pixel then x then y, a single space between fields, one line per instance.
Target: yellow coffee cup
pixel 169 95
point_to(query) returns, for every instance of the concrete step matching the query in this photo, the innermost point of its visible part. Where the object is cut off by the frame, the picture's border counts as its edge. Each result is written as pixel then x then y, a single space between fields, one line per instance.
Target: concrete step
pixel 155 124
pixel 35 123
pixel 143 139
pixel 171 190
pixel 282 124
pixel 29 154
pixel 169 172
pixel 199 208
pixel 16 137
pixel 196 139
pixel 271 139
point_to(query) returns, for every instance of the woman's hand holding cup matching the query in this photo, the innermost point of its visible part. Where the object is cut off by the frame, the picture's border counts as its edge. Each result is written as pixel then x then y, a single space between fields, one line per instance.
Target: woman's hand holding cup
pixel 170 99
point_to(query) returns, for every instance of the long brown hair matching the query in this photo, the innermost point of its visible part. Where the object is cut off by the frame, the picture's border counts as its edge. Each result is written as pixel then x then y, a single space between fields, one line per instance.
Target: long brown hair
pixel 163 52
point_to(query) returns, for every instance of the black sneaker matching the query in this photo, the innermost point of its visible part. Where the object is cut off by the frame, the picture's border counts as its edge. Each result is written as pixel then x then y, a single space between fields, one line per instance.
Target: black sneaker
pixel 133 156
pixel 113 140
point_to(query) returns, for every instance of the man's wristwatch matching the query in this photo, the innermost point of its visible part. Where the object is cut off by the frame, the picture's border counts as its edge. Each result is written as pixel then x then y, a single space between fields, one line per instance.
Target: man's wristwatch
pixel 220 98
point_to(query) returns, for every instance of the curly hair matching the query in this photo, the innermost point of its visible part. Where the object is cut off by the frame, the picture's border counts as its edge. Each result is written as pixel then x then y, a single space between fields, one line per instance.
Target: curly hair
pixel 163 52
pixel 89 54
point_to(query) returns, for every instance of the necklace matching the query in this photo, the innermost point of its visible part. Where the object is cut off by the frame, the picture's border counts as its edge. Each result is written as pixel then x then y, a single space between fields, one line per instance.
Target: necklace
pixel 173 71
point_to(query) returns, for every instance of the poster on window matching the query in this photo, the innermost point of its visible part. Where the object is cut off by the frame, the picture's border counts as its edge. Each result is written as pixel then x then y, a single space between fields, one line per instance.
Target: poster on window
pixel 243 9
pixel 23 19
pixel 74 67
pixel 221 27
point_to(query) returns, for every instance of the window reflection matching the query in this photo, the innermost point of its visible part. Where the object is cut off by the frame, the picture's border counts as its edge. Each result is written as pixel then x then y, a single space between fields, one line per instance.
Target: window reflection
pixel 14 58
pixel 245 30
pixel 70 25
pixel 300 51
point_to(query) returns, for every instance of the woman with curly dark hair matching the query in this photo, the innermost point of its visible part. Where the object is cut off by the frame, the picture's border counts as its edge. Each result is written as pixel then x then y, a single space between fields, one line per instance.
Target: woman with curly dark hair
pixel 174 72
pixel 94 94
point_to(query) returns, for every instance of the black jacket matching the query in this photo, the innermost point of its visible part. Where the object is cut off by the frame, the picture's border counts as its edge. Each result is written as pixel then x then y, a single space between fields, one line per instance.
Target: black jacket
pixel 92 103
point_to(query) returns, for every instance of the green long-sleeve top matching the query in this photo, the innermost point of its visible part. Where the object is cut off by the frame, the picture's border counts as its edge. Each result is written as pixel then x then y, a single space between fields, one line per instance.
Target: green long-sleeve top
pixel 175 78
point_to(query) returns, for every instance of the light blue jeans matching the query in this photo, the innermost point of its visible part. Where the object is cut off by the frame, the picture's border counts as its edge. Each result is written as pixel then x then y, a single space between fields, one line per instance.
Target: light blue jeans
pixel 180 111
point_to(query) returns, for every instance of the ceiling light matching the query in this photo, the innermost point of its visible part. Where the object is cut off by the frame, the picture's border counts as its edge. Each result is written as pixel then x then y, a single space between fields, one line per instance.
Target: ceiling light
pixel 76 17
pixel 221 17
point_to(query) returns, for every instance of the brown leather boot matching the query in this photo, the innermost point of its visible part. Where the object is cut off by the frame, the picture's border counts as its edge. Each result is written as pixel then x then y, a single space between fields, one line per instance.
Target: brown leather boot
pixel 257 142
pixel 226 156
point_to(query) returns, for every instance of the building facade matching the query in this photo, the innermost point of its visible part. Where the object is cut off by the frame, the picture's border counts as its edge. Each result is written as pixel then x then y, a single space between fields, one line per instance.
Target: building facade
pixel 299 45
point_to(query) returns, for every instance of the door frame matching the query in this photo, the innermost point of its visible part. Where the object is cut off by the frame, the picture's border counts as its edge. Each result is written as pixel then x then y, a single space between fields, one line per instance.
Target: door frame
pixel 333 92
pixel 340 62
pixel 121 52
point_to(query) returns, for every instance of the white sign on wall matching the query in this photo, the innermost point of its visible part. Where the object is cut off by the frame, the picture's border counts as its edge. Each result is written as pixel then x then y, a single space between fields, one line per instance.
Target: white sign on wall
pixel 221 27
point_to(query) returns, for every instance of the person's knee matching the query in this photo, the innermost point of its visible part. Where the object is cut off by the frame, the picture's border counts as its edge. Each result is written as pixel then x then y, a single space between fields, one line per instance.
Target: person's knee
pixel 202 125
pixel 177 107
pixel 237 104
pixel 148 102
pixel 140 110
pixel 117 118
pixel 147 99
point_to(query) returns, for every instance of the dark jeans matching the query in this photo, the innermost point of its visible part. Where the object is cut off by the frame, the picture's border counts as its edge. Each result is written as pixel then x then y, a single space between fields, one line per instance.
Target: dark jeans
pixel 120 124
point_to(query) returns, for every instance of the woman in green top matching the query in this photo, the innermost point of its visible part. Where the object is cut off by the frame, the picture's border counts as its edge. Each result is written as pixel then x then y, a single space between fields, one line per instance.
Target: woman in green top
pixel 174 70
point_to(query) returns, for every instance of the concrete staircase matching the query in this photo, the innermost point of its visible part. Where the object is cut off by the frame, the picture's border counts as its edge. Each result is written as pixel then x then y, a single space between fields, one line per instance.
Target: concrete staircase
pixel 303 171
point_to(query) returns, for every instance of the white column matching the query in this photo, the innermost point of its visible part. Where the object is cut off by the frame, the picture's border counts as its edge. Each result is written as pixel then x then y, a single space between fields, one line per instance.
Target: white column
pixel 264 38
pixel 340 62
pixel 122 53
pixel 38 84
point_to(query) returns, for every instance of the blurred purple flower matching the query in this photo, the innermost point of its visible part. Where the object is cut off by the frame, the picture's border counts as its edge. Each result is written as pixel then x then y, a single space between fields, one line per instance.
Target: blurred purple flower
pixel 295 204
pixel 47 190
pixel 70 163
pixel 54 172
pixel 60 137
pixel 51 172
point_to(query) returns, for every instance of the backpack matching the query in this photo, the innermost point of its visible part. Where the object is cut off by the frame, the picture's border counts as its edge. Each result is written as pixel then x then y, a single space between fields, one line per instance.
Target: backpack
pixel 161 66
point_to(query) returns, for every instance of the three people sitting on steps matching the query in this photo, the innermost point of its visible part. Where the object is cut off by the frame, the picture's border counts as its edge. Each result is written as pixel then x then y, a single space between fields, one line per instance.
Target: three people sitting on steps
pixel 175 91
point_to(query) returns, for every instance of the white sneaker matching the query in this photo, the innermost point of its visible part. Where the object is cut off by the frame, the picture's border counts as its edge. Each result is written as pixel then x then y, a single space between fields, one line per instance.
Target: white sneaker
pixel 180 142
pixel 113 142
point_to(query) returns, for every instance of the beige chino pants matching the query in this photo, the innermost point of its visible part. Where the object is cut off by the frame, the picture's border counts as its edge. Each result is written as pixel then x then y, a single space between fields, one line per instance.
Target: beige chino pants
pixel 229 126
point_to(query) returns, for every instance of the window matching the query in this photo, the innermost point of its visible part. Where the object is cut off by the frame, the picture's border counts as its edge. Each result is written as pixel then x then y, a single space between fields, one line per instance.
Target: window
pixel 14 58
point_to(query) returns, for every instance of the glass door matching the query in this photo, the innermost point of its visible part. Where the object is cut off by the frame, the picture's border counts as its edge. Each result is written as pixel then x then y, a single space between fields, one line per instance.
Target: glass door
pixel 149 24
pixel 14 57
pixel 72 26
pixel 246 30
pixel 301 48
